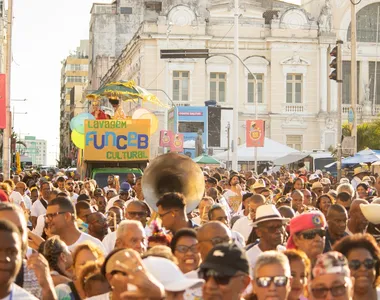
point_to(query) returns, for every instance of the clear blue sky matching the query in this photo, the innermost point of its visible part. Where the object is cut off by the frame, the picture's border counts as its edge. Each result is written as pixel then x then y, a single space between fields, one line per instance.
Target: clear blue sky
pixel 44 33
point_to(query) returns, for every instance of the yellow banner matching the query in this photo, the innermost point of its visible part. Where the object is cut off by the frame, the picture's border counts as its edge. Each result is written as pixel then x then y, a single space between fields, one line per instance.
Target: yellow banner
pixel 117 140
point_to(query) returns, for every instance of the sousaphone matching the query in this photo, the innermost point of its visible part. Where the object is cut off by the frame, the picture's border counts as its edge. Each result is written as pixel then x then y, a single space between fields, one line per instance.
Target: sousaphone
pixel 173 172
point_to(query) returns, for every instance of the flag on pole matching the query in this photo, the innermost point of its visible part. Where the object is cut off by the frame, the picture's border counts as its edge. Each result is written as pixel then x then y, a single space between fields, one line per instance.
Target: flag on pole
pixel 255 133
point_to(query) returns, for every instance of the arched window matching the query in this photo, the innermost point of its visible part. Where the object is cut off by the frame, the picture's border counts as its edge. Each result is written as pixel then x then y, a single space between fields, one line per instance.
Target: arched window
pixel 366 24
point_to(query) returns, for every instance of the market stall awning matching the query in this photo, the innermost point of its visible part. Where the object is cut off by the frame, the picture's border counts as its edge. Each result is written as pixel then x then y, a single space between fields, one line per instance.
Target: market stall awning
pixel 271 151
pixel 206 160
pixel 290 158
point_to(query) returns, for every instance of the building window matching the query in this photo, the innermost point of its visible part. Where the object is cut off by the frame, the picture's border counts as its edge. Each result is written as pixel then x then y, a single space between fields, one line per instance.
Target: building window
pixel 347 82
pixel 294 141
pixel 366 24
pixel 252 87
pixel 181 85
pixel 218 87
pixel 126 10
pixel 78 79
pixel 372 67
pixel 294 88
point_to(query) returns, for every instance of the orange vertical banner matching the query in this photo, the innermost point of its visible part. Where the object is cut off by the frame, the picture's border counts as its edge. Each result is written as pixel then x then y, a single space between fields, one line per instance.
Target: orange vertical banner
pixel 177 143
pixel 255 133
pixel 3 108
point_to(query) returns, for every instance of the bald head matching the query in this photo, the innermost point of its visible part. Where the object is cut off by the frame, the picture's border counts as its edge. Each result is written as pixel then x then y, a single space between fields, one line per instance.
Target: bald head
pixel 213 229
pixel 211 233
pixel 257 198
pixel 286 212
pixel 355 205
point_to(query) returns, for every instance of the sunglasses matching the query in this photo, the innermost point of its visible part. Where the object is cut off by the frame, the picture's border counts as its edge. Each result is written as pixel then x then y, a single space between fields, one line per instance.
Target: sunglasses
pixel 336 291
pixel 367 263
pixel 279 281
pixel 312 234
pixel 219 279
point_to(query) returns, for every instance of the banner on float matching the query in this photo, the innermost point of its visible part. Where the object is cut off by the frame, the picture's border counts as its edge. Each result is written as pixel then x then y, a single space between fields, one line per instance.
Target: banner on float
pixel 3 107
pixel 177 143
pixel 117 140
pixel 255 133
pixel 166 137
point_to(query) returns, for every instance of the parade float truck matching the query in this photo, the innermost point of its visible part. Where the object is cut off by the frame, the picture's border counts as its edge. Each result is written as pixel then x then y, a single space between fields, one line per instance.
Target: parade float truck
pixel 114 147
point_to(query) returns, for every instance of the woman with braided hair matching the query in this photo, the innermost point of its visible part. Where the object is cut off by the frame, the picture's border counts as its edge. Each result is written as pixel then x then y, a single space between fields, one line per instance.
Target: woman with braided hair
pixel 59 258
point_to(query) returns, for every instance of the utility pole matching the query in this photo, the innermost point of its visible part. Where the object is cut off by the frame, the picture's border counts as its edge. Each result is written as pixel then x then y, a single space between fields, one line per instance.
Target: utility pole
pixel 354 74
pixel 235 124
pixel 336 66
pixel 8 130
pixel 228 145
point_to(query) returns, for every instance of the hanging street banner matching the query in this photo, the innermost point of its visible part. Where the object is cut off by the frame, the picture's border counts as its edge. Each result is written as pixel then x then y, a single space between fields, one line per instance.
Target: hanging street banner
pixel 117 140
pixel 177 143
pixel 166 138
pixel 255 133
pixel 3 108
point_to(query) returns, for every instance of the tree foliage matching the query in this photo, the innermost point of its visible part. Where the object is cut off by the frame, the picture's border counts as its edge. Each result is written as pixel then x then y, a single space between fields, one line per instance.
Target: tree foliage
pixel 368 134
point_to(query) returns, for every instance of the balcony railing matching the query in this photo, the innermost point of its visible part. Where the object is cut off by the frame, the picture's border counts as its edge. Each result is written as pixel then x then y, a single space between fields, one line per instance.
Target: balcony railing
pixel 293 108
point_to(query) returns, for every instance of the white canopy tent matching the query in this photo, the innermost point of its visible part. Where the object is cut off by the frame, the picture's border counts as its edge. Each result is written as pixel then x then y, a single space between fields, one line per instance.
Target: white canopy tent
pixel 271 151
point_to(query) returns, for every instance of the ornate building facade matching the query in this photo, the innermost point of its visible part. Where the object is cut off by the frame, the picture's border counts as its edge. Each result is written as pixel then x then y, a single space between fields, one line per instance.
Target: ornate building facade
pixel 286 46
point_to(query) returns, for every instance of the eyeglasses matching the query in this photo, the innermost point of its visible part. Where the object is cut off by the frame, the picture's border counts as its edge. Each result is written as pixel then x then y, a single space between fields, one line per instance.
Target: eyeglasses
pixel 217 240
pixel 137 213
pixel 219 279
pixel 336 291
pixel 367 263
pixel 53 215
pixel 312 234
pixel 185 249
pixel 164 214
pixel 114 272
pixel 279 281
pixel 70 183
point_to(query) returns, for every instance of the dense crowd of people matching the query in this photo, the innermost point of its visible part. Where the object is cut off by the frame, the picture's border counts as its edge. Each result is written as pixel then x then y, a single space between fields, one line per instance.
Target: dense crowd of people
pixel 287 235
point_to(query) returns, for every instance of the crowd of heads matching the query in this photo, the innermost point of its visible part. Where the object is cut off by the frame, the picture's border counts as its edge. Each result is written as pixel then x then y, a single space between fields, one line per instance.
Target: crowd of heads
pixel 287 235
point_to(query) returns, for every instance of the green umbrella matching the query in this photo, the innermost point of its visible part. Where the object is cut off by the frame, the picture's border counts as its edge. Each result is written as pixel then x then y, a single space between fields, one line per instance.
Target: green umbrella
pixel 126 91
pixel 204 159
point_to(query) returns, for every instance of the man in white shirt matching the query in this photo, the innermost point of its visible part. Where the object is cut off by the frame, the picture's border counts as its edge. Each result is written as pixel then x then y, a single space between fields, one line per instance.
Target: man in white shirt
pixel 69 185
pixel 235 188
pixel 245 224
pixel 25 203
pixel 110 183
pixel 60 215
pixel 270 229
pixel 39 206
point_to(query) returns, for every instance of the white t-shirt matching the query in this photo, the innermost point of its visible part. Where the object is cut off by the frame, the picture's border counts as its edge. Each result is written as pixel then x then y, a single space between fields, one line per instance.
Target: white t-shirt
pixel 38 209
pixel 86 237
pixel 74 198
pixel 16 198
pixel 244 226
pixel 19 293
pixel 39 229
pixel 238 239
pixel 109 242
pixel 27 202
pixel 255 251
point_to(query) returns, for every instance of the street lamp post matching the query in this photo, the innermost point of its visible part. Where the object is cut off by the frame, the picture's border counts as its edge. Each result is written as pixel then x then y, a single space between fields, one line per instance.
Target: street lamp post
pixel 235 124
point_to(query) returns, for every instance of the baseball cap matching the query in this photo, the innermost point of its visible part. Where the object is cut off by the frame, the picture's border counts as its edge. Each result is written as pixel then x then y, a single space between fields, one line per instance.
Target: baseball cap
pixel 331 262
pixel 226 259
pixel 313 177
pixel 125 187
pixel 344 180
pixel 325 181
pixel 168 274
